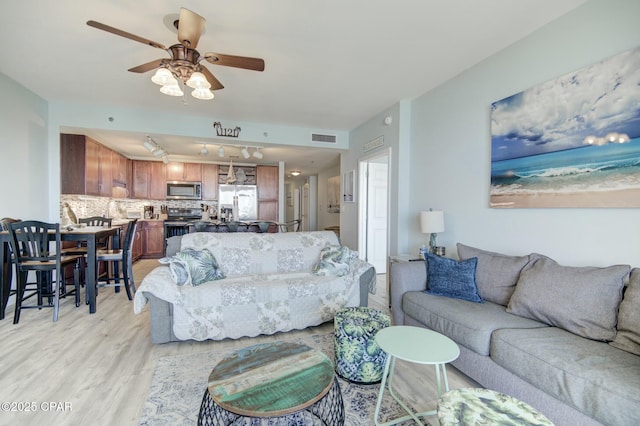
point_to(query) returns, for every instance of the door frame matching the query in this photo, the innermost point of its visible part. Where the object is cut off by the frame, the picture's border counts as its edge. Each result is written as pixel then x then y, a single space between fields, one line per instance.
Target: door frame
pixel 363 199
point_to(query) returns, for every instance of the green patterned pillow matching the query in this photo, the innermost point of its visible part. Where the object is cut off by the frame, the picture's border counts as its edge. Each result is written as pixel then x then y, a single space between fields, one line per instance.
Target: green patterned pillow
pixel 193 267
pixel 334 260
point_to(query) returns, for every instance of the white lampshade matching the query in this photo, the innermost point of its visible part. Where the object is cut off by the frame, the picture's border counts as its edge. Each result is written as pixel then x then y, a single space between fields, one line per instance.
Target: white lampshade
pixel 163 77
pixel 198 81
pixel 172 90
pixel 432 221
pixel 202 93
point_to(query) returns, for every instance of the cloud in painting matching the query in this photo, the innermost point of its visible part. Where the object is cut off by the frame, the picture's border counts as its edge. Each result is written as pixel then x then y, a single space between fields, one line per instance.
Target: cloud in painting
pixel 560 113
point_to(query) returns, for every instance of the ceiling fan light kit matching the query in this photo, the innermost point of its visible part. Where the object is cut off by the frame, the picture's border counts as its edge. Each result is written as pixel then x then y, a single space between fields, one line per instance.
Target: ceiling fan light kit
pixel 184 64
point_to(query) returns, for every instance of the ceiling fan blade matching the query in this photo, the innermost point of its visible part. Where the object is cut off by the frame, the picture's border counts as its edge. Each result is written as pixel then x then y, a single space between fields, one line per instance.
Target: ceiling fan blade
pixel 125 34
pixel 255 64
pixel 148 66
pixel 190 27
pixel 215 83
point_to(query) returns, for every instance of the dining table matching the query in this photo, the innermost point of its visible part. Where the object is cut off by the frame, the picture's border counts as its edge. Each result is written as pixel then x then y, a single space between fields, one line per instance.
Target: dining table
pixel 89 234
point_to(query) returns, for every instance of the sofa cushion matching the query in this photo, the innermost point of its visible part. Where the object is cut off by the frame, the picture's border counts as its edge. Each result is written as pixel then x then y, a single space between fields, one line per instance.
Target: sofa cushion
pixel 467 323
pixel 334 260
pixel 452 278
pixel 628 336
pixel 582 300
pixel 193 267
pixel 596 378
pixel 496 274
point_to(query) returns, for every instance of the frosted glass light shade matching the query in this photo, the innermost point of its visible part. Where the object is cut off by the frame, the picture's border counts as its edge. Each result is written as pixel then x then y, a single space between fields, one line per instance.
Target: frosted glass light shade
pixel 432 221
pixel 202 93
pixel 172 90
pixel 198 81
pixel 163 77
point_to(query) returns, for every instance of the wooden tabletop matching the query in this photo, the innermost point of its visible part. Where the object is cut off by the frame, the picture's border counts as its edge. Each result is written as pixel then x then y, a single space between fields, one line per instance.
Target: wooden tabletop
pixel 271 379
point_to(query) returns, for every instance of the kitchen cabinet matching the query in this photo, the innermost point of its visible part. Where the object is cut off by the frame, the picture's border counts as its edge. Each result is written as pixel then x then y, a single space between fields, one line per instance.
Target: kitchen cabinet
pixel 209 181
pixel 184 172
pixel 152 239
pixel 267 181
pixel 85 165
pixel 149 180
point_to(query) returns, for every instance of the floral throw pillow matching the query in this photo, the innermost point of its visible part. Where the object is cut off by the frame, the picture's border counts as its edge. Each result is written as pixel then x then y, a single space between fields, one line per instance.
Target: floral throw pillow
pixel 334 260
pixel 193 267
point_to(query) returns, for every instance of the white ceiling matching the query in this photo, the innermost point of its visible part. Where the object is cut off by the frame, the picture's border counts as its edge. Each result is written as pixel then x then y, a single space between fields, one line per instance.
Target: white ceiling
pixel 329 64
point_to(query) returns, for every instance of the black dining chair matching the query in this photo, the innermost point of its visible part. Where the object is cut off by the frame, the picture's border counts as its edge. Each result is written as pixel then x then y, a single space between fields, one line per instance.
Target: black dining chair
pixel 8 261
pixel 234 226
pixel 32 251
pixel 122 260
pixel 290 226
pixel 263 225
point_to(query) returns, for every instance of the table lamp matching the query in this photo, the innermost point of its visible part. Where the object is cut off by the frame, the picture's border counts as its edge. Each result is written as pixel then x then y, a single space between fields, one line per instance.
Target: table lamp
pixel 432 222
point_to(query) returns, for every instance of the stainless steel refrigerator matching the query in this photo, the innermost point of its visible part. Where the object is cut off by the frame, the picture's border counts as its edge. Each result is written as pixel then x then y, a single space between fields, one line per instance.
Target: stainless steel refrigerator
pixel 247 200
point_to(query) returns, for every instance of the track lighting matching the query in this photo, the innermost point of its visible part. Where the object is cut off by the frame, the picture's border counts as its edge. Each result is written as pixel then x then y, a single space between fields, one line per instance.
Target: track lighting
pixel 221 151
pixel 204 150
pixel 245 153
pixel 257 154
pixel 156 149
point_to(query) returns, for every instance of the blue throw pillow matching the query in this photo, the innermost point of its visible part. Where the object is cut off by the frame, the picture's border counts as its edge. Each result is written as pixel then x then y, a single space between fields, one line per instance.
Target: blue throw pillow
pixel 452 278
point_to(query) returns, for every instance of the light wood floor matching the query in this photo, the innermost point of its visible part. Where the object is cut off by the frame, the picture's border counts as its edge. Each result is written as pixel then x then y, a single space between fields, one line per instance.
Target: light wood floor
pixel 97 369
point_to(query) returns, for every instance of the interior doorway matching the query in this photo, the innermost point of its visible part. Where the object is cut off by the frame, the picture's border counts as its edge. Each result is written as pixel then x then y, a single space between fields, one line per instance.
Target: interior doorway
pixel 373 240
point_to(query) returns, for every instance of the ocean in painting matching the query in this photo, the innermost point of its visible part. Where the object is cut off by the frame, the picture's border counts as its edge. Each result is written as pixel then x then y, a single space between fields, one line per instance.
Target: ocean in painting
pixel 584 169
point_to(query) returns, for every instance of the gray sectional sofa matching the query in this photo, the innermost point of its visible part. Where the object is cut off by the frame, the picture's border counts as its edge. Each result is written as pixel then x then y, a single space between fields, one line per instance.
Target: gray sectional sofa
pixel 563 339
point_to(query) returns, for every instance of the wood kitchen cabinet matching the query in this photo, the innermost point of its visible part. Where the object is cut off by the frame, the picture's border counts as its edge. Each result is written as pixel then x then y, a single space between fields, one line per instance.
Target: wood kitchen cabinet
pixel 85 166
pixel 149 180
pixel 184 172
pixel 152 239
pixel 209 181
pixel 267 181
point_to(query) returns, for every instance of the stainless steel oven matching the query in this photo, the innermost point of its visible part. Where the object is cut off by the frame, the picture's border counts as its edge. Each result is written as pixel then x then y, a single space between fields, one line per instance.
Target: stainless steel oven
pixel 178 221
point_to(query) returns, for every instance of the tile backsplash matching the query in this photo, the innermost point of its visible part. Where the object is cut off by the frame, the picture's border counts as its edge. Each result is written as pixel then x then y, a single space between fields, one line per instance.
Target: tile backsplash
pixel 86 205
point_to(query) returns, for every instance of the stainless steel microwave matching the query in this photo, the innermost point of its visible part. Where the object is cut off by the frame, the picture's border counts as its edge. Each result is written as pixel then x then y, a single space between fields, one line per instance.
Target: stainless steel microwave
pixel 184 190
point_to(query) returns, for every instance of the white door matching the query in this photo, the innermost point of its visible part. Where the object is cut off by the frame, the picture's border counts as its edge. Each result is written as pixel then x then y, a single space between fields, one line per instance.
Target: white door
pixel 373 210
pixel 377 215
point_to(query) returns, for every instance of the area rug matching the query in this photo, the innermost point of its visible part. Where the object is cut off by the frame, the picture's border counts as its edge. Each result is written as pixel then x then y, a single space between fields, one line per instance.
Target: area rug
pixel 179 382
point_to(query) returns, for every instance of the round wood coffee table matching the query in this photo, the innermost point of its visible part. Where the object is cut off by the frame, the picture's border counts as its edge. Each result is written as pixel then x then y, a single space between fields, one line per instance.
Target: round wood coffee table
pixel 281 382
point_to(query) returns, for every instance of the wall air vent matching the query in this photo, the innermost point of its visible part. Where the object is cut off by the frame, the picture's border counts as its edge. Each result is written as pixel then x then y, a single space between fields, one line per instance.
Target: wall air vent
pixel 317 137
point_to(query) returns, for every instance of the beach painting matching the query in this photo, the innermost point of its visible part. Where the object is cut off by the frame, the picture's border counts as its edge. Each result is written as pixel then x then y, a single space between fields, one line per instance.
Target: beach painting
pixel 570 142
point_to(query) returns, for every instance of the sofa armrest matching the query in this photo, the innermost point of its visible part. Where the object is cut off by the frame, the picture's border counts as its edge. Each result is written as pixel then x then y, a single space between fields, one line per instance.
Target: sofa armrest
pixel 161 319
pixel 367 279
pixel 404 277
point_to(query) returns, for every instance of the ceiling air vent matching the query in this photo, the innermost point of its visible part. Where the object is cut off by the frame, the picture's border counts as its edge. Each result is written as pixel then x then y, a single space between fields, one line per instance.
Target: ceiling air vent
pixel 317 137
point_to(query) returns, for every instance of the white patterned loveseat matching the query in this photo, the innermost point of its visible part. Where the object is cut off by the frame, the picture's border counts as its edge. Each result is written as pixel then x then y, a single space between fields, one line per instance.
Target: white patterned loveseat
pixel 269 287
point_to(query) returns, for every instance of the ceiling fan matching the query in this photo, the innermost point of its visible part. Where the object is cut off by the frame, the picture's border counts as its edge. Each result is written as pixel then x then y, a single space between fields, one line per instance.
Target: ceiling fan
pixel 185 61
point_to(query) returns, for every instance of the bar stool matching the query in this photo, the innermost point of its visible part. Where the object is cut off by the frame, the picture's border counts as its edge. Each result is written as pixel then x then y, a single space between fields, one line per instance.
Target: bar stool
pixel 31 250
pixel 120 257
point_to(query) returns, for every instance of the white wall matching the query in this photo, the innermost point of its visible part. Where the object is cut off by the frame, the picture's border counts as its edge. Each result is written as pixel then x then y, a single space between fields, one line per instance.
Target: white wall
pixel 23 152
pixel 451 147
